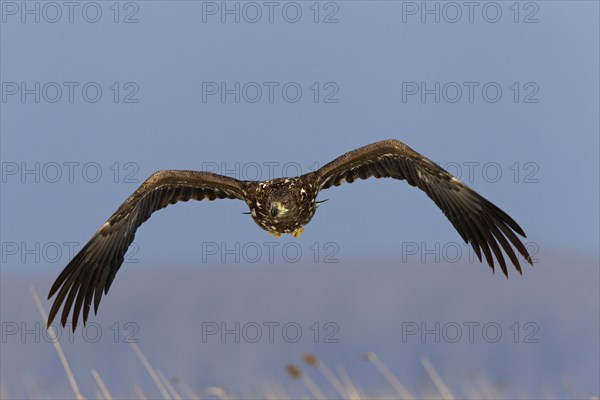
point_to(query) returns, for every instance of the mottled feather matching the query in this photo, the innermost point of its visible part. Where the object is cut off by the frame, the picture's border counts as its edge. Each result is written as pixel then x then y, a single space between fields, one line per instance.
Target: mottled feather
pixel 91 272
pixel 479 222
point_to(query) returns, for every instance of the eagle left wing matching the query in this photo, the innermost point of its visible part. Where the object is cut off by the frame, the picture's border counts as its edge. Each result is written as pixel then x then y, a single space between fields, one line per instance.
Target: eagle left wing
pixel 91 272
pixel 477 220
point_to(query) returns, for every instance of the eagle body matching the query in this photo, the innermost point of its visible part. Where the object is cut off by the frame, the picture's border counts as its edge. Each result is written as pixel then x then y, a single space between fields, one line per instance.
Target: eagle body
pixel 283 205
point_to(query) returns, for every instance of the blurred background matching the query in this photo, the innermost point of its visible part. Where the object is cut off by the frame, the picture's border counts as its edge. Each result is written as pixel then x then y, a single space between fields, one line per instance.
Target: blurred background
pixel 505 95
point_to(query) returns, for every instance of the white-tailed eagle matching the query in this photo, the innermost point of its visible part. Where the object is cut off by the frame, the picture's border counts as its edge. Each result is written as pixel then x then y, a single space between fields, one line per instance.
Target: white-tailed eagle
pixel 283 205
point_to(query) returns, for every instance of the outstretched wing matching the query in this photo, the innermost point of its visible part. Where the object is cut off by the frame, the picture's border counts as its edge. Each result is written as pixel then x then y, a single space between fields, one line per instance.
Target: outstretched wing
pixel 476 219
pixel 92 270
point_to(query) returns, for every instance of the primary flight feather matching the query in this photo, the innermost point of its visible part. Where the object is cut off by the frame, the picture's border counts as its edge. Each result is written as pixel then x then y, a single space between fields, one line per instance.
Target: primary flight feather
pixel 282 205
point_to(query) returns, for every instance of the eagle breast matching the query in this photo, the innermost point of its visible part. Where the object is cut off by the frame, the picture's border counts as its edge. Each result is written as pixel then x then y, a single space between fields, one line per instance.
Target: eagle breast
pixel 282 205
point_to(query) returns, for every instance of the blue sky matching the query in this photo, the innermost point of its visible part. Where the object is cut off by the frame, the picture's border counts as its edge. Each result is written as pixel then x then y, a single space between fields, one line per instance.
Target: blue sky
pixel 505 97
pixel 370 60
pixel 369 63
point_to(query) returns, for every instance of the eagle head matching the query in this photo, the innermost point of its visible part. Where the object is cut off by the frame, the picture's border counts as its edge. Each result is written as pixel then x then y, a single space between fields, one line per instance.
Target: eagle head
pixel 281 205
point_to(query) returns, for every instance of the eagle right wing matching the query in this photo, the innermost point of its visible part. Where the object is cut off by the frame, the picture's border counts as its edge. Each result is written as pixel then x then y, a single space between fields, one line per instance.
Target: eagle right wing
pixel 92 270
pixel 479 222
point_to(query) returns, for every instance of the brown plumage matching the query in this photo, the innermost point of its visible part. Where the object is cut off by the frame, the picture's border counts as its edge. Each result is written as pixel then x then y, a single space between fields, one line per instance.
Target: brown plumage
pixel 280 206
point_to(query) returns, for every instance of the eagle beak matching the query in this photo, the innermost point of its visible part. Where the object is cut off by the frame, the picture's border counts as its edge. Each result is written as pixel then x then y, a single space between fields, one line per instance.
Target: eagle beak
pixel 277 208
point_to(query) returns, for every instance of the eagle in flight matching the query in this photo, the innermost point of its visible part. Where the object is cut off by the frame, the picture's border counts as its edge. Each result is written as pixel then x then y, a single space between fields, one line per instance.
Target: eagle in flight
pixel 283 205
